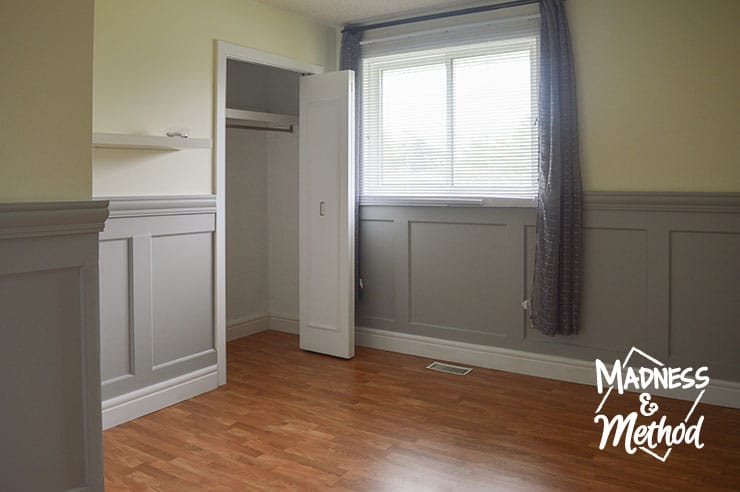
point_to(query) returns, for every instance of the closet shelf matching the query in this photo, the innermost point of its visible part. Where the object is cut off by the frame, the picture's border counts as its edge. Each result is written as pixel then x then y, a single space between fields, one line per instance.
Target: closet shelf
pixel 268 119
pixel 147 142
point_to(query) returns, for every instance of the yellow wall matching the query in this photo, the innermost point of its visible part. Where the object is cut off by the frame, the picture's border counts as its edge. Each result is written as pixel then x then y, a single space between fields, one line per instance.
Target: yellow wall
pixel 154 69
pixel 46 50
pixel 658 93
pixel 658 87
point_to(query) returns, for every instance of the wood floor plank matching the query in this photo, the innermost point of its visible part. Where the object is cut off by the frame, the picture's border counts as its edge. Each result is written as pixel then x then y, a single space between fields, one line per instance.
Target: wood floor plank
pixel 294 420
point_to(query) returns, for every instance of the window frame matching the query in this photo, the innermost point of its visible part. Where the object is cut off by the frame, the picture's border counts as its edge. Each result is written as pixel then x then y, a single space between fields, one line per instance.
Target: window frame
pixel 525 42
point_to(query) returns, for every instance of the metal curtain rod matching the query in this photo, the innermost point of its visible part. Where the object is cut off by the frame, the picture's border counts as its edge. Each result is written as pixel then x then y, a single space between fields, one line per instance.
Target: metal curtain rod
pixel 441 15
pixel 447 29
pixel 263 128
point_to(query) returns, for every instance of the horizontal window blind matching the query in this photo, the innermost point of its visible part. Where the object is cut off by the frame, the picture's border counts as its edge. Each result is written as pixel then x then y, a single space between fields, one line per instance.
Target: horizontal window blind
pixel 451 114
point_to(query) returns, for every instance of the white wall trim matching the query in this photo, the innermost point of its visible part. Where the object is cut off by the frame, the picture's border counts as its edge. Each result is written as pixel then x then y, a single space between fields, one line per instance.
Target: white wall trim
pixel 531 364
pixel 719 392
pixel 157 396
pixel 37 219
pixel 224 52
pixel 249 326
pixel 244 327
pixel 242 53
pixel 284 323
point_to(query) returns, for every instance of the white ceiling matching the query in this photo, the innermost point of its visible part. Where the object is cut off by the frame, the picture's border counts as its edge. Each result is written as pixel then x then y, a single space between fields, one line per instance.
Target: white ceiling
pixel 340 12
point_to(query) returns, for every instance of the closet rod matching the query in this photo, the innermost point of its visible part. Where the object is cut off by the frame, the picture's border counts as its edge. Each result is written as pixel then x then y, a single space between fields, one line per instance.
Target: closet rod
pixel 264 128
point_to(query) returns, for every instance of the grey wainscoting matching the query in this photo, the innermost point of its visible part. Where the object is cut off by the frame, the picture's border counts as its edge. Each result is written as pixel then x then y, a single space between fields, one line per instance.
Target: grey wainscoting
pixel 50 423
pixel 661 272
pixel 156 297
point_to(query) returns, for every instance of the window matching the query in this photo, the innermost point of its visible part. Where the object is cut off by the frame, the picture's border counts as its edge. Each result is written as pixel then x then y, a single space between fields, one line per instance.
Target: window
pixel 451 117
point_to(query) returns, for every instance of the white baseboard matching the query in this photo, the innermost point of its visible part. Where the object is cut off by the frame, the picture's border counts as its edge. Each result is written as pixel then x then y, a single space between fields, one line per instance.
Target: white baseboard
pixel 284 323
pixel 247 326
pixel 157 396
pixel 553 367
pixel 719 392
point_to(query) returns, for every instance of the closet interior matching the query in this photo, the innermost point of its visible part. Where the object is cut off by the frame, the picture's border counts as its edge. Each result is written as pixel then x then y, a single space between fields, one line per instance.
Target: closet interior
pixel 262 160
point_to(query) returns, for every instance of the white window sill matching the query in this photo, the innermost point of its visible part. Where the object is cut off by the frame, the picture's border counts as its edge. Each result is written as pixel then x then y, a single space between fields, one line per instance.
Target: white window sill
pixel 449 202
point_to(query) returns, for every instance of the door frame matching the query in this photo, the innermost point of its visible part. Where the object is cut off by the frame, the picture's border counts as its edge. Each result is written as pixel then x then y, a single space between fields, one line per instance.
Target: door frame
pixel 224 52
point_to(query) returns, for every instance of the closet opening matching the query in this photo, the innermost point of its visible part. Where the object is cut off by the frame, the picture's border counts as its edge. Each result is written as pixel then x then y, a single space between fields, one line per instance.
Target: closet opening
pixel 257 164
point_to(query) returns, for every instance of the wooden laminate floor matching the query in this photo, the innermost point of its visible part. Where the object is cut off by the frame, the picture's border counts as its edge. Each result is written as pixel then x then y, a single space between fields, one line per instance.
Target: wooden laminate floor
pixel 289 419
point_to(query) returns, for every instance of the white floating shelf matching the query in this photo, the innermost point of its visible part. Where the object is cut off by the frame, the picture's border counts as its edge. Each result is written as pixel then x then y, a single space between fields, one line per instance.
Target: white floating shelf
pixel 147 142
pixel 268 119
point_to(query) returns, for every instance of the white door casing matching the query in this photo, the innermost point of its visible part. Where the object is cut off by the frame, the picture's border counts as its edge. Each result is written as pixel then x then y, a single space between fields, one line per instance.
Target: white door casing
pixel 327 214
pixel 224 52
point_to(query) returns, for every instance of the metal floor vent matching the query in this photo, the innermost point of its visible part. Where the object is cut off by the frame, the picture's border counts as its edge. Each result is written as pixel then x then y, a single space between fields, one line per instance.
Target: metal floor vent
pixel 449 368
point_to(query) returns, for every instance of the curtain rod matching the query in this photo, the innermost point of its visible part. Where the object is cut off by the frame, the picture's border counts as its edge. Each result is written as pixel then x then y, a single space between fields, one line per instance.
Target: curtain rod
pixel 441 15
pixel 448 29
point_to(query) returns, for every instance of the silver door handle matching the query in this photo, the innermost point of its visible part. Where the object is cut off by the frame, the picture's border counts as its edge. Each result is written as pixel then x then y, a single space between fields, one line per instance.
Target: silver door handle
pixel 322 208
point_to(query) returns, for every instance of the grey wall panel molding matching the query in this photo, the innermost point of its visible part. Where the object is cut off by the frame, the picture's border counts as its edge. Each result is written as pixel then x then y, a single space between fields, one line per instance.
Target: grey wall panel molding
pixel 49 365
pixel 705 298
pixel 663 202
pixel 448 258
pixel 182 292
pixel 614 291
pixel 18 220
pixel 161 205
pixel 117 340
pixel 379 271
pixel 156 257
pixel 661 272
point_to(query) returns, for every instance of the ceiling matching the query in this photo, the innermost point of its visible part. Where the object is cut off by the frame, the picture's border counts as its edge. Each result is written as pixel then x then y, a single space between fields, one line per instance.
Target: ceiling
pixel 340 12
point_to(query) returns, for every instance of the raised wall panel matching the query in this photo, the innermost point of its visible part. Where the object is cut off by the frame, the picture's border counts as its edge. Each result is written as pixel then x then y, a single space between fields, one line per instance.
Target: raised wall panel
pixel 50 421
pixel 457 276
pixel 115 310
pixel 182 292
pixel 615 271
pixel 661 273
pixel 43 402
pixel 156 263
pixel 377 252
pixel 705 298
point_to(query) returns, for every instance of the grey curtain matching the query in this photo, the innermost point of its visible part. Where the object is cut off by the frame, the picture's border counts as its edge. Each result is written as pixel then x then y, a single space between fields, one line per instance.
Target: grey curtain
pixel 556 293
pixel 349 59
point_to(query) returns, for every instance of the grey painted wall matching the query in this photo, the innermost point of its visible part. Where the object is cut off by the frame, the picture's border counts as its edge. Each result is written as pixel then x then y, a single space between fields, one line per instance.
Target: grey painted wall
pixel 50 425
pixel 156 292
pixel 661 273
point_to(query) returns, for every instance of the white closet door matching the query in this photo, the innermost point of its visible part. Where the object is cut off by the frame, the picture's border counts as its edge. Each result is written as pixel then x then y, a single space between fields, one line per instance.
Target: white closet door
pixel 327 215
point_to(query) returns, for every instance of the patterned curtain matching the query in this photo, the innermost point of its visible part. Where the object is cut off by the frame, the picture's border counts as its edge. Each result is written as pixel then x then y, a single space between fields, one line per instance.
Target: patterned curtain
pixel 556 293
